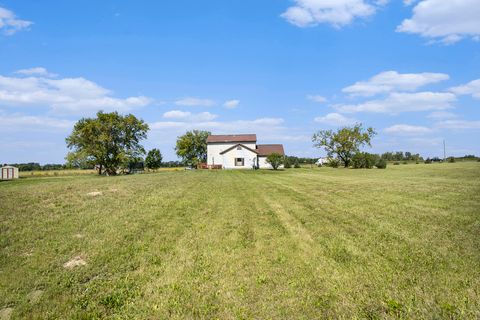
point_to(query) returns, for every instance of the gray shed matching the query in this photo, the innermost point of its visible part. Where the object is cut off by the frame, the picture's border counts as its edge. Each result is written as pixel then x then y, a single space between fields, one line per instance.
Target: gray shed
pixel 8 173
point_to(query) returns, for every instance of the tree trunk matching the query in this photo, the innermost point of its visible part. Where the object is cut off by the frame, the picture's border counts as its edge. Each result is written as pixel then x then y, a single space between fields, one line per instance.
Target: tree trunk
pixel 100 170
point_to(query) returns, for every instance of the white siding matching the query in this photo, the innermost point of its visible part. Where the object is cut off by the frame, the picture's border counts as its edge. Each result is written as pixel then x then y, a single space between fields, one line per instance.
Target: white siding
pixel 227 160
pixel 262 163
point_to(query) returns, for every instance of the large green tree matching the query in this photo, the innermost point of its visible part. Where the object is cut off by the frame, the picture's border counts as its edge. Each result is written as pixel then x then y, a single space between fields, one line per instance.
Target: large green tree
pixel 192 147
pixel 109 141
pixel 153 159
pixel 344 142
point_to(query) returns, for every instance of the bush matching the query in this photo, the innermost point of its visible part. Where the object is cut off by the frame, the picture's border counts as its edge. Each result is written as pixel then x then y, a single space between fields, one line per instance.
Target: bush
pixel 332 162
pixel 364 160
pixel 451 160
pixel 428 161
pixel 381 164
pixel 396 163
pixel 296 165
pixel 405 162
pixel 287 164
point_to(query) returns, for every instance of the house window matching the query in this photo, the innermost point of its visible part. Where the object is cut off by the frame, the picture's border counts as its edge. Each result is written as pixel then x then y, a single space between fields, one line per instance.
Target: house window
pixel 239 148
pixel 239 162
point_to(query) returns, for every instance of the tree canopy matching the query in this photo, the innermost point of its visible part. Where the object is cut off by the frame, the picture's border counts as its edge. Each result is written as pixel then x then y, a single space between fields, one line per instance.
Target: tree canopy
pixel 153 159
pixel 192 147
pixel 275 160
pixel 344 142
pixel 109 141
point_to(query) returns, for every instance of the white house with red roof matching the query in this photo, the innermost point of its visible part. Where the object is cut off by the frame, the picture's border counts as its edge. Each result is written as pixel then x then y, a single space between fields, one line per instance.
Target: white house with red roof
pixel 239 151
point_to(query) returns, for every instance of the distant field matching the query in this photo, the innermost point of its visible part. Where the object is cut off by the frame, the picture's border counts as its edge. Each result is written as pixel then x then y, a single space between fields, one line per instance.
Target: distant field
pixel 301 243
pixel 74 172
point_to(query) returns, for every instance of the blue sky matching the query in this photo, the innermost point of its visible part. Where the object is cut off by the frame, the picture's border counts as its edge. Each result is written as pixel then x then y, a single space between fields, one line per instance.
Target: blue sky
pixel 282 69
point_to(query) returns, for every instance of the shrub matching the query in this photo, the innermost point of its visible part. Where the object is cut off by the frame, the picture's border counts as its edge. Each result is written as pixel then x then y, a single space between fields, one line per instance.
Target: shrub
pixel 287 164
pixel 364 160
pixel 275 160
pixel 381 164
pixel 334 163
pixel 405 162
pixel 296 165
pixel 428 161
pixel 396 163
pixel 451 160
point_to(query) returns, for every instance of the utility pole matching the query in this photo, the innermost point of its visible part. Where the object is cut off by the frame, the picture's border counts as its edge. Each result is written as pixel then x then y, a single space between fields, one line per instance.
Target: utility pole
pixel 444 152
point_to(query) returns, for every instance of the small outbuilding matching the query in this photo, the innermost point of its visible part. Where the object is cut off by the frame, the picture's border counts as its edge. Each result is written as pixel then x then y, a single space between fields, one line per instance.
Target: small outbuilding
pixel 8 173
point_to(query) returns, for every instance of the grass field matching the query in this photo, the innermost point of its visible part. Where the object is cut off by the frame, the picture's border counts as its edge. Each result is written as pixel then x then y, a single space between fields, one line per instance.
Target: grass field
pixel 301 243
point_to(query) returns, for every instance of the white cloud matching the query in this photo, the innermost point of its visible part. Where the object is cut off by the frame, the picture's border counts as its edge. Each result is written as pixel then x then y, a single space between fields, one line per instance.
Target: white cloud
pixel 38 71
pixel 405 129
pixel 23 123
pixel 409 2
pixel 317 98
pixel 389 81
pixel 458 124
pixel 403 102
pixel 188 116
pixel 10 24
pixel 261 124
pixel 67 95
pixel 338 13
pixel 445 21
pixel 471 88
pixel 194 102
pixel 335 119
pixel 231 104
pixel 442 115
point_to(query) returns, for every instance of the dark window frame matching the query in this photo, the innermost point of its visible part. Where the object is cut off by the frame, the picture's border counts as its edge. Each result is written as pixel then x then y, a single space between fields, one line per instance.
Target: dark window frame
pixel 242 161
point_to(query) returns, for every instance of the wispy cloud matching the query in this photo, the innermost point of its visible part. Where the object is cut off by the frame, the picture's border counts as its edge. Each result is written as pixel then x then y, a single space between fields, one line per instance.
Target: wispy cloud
pixel 405 129
pixel 390 81
pixel 194 102
pixel 231 104
pixel 10 24
pixel 317 98
pixel 335 119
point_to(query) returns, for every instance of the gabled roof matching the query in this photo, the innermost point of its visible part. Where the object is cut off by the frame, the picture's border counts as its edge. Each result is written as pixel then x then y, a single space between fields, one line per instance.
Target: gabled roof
pixel 267 149
pixel 238 145
pixel 232 138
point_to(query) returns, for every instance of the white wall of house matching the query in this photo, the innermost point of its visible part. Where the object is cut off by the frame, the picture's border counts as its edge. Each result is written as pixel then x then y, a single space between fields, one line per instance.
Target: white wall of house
pixel 262 163
pixel 227 160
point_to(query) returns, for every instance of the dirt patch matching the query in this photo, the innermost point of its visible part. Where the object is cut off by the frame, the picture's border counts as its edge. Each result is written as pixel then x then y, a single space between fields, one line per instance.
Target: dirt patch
pixel 34 296
pixel 94 194
pixel 75 262
pixel 6 313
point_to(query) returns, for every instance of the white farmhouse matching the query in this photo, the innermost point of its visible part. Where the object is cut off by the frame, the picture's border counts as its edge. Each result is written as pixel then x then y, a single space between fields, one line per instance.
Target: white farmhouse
pixel 239 151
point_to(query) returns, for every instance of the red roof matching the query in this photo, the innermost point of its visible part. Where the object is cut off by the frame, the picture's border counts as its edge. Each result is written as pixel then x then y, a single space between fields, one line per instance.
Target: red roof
pixel 232 138
pixel 267 149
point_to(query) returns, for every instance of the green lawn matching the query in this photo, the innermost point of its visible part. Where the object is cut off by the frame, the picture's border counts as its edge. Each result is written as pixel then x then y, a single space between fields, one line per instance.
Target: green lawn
pixel 301 243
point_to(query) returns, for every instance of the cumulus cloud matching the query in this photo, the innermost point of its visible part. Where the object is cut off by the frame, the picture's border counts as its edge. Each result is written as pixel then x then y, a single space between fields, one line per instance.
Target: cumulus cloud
pixel 444 21
pixel 389 81
pixel 405 129
pixel 335 119
pixel 231 104
pixel 10 24
pixel 471 88
pixel 37 71
pixel 67 95
pixel 221 126
pixel 396 103
pixel 317 98
pixel 194 102
pixel 188 116
pixel 338 13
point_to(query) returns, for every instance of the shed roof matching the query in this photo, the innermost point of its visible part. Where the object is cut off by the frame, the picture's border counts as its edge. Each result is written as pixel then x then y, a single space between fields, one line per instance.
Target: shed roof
pixel 267 149
pixel 232 138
